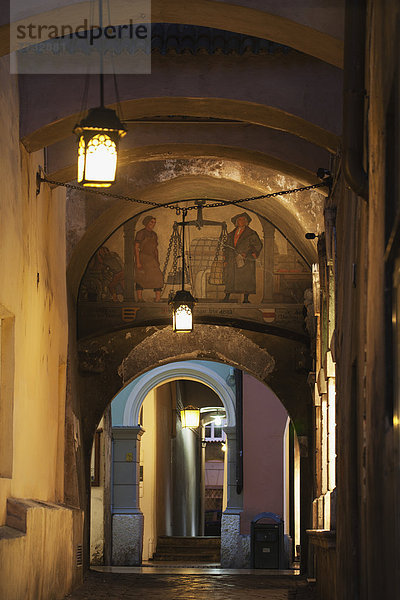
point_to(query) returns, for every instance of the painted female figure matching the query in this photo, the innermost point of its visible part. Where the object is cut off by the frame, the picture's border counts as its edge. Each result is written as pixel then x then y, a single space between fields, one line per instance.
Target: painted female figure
pixel 147 273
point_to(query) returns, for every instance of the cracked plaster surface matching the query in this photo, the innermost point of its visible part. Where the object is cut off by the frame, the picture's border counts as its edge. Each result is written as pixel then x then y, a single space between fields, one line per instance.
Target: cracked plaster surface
pixel 211 342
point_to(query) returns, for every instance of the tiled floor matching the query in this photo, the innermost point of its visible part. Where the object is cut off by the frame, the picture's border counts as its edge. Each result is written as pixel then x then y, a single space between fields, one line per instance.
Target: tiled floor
pixel 191 583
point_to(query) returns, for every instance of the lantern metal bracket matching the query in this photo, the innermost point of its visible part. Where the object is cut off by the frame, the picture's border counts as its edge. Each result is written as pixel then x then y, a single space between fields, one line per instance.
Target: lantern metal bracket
pixel 326 177
pixel 39 179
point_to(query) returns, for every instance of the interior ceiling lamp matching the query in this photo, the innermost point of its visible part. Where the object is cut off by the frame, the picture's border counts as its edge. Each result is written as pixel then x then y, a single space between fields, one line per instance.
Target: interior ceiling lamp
pixel 190 417
pixel 98 136
pixel 183 302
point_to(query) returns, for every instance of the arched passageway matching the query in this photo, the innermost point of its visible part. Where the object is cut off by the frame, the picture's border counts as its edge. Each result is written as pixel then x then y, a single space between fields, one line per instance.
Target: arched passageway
pixel 163 478
pixel 215 125
pixel 245 99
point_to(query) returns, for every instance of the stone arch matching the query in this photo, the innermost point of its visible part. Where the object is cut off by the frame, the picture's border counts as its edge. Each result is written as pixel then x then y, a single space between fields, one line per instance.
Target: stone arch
pixel 172 371
pixel 267 357
pixel 159 352
pixel 150 153
pixel 127 354
pixel 270 24
pixel 205 342
pixel 219 108
pixel 164 348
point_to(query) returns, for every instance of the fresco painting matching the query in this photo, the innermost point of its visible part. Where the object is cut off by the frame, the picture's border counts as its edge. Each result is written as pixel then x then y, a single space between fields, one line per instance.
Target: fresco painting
pixel 235 261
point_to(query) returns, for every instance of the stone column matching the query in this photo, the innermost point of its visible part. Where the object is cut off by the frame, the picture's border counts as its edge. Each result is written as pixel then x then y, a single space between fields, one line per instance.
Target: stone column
pixel 127 518
pixel 129 251
pixel 235 548
pixel 268 231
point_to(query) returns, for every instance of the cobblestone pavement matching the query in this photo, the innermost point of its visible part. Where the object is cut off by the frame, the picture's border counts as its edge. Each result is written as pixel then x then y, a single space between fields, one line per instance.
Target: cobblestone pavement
pixel 117 586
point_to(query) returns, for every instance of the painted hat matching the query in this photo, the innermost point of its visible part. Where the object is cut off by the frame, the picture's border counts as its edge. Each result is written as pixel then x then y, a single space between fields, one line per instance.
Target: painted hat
pixel 235 218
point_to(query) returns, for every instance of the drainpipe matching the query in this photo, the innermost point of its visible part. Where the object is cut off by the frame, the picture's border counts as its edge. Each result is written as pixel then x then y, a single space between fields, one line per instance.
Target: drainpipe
pixel 239 430
pixel 353 97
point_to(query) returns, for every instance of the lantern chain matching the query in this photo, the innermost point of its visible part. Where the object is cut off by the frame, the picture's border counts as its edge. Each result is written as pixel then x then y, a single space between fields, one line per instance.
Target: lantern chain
pixel 221 241
pixel 178 209
pixel 177 243
pixel 173 245
pixel 171 239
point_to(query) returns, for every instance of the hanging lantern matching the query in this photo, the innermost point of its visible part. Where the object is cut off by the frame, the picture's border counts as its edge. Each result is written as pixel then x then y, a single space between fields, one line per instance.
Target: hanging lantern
pixel 98 139
pixel 183 302
pixel 182 311
pixel 190 417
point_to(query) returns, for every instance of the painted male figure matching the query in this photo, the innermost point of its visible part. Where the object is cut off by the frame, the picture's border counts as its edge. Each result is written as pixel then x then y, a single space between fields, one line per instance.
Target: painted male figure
pixel 242 248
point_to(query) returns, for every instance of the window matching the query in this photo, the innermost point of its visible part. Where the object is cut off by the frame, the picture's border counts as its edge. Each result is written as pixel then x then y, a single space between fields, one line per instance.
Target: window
pixel 214 433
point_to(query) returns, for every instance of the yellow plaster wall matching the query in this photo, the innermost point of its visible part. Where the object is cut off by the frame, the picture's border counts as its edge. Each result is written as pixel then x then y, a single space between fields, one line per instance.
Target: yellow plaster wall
pixel 33 290
pixel 97 525
pixel 156 489
pixel 164 426
pixel 147 488
pixel 39 306
pixel 26 569
pixel 97 509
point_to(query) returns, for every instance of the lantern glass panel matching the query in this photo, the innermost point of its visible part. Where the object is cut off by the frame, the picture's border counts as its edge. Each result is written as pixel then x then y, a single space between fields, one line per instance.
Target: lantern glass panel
pixel 81 158
pixel 183 318
pixel 190 417
pixel 101 160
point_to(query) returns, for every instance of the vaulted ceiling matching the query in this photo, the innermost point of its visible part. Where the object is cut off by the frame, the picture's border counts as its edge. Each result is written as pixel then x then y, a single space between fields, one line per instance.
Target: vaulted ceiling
pixel 244 98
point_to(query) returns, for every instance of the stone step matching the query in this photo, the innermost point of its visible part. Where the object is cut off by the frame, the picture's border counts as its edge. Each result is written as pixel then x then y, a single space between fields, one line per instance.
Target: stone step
pixel 10 533
pixel 189 542
pixel 189 551
pixel 183 549
pixel 16 514
pixel 206 558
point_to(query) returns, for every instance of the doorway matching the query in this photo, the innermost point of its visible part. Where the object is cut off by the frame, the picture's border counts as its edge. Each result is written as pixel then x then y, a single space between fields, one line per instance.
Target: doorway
pixel 175 480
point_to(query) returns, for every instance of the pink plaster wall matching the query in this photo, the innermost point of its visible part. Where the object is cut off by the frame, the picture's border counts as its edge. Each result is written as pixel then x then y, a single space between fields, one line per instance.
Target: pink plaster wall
pixel 264 421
